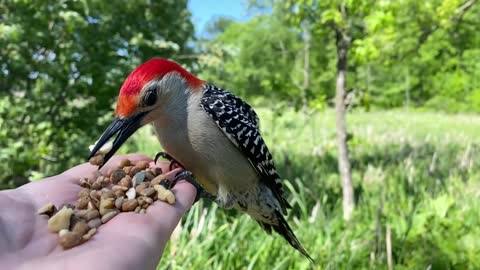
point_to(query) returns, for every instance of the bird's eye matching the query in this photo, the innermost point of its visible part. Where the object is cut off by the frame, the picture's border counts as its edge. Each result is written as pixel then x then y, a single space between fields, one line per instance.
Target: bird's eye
pixel 150 98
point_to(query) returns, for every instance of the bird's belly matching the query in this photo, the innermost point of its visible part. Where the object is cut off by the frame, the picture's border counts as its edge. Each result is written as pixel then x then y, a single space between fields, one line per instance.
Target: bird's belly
pixel 215 162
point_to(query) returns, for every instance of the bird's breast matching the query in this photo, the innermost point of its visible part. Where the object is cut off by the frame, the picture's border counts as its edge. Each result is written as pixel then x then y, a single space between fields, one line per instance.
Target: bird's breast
pixel 199 145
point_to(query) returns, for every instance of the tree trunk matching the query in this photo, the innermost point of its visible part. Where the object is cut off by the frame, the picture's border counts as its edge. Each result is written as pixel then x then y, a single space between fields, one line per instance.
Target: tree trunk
pixel 407 89
pixel 343 161
pixel 306 59
pixel 306 68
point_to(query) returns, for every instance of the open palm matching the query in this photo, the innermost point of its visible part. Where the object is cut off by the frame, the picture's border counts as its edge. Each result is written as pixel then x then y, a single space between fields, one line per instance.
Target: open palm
pixel 129 241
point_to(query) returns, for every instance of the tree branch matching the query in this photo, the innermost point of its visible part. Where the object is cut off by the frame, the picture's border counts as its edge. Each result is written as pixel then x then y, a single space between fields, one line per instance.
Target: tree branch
pixel 457 16
pixel 460 12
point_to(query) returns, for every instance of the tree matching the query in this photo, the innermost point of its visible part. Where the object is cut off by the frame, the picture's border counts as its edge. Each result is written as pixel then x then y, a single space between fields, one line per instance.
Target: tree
pixel 62 64
pixel 343 39
pixel 431 51
pixel 252 58
pixel 381 40
pixel 341 20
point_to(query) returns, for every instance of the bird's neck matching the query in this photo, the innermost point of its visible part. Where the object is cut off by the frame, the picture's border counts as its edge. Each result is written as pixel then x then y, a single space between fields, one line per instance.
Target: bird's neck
pixel 171 127
pixel 173 114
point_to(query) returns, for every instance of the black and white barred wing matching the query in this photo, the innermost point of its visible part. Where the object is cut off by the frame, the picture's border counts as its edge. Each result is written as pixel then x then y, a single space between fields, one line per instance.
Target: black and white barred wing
pixel 240 123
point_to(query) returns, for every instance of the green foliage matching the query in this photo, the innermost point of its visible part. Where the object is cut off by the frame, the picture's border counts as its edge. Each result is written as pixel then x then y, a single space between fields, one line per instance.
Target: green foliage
pixel 253 58
pixel 415 173
pixel 61 66
pixel 426 55
pixel 402 53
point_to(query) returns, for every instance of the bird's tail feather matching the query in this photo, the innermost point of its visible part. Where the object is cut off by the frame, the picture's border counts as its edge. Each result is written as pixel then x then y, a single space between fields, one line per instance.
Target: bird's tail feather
pixel 284 230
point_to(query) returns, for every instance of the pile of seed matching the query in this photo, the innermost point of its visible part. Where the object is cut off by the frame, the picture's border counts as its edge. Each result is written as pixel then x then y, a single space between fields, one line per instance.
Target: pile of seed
pixel 132 187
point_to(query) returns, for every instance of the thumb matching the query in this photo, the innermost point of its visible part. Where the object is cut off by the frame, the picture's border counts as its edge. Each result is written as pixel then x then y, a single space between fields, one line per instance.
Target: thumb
pixel 167 216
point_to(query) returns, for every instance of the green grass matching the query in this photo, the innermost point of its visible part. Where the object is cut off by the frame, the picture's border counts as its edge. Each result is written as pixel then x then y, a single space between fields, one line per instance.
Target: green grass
pixel 415 173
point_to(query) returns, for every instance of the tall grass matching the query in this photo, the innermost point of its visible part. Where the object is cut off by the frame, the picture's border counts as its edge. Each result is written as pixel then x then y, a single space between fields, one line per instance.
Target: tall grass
pixel 416 176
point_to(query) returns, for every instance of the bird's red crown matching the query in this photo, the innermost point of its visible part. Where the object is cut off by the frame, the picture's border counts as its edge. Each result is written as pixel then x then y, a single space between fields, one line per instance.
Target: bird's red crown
pixel 153 69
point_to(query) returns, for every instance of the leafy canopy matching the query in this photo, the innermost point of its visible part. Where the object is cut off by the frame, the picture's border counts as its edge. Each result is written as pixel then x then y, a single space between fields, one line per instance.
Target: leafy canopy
pixel 61 65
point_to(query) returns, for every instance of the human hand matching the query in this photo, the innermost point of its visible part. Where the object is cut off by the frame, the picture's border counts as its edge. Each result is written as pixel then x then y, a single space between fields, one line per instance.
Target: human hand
pixel 128 241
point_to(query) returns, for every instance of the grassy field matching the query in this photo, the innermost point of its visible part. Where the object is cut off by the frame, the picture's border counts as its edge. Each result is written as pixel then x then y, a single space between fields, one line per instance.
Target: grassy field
pixel 416 179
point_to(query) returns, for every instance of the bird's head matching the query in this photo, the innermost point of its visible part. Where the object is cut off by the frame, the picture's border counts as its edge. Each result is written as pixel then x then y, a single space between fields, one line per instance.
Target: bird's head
pixel 144 94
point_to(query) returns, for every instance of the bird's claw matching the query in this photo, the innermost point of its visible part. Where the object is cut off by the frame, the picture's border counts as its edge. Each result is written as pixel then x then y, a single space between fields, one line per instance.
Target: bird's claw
pixel 182 175
pixel 188 176
pixel 173 163
pixel 167 184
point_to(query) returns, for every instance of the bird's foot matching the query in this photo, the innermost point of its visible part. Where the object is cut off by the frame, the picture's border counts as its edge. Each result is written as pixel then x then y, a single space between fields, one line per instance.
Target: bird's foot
pixel 188 176
pixel 173 163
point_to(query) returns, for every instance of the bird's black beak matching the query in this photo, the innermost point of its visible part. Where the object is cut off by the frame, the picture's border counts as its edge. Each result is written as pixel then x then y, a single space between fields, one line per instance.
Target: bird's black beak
pixel 125 127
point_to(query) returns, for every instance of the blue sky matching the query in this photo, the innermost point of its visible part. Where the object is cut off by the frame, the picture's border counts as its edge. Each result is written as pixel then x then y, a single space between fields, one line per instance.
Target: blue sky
pixel 205 10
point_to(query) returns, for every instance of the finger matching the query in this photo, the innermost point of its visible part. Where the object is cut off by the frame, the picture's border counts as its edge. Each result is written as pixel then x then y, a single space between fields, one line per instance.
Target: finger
pixel 184 196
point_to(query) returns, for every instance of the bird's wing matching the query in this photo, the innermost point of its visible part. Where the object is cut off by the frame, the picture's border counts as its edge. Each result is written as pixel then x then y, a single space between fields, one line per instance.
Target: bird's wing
pixel 240 123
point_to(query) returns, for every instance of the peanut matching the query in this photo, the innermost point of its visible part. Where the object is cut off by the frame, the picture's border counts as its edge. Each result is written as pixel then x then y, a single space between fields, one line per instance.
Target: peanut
pixel 129 205
pixel 142 164
pixel 69 239
pixel 157 171
pixel 125 162
pixel 107 194
pixel 108 216
pixel 96 160
pixel 148 192
pixel 61 220
pixel 95 223
pixel 117 175
pixel 140 187
pixel 80 227
pixel 149 175
pixel 164 194
pixel 106 205
pixel 82 202
pixel 134 171
pixel 89 234
pixel 85 192
pixel 157 180
pixel 127 169
pixel 119 202
pixel 85 183
pixel 48 209
pixel 125 182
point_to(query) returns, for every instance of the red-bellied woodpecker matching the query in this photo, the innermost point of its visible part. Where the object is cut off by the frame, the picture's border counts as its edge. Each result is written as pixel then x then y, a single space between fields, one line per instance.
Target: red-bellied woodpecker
pixel 211 133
